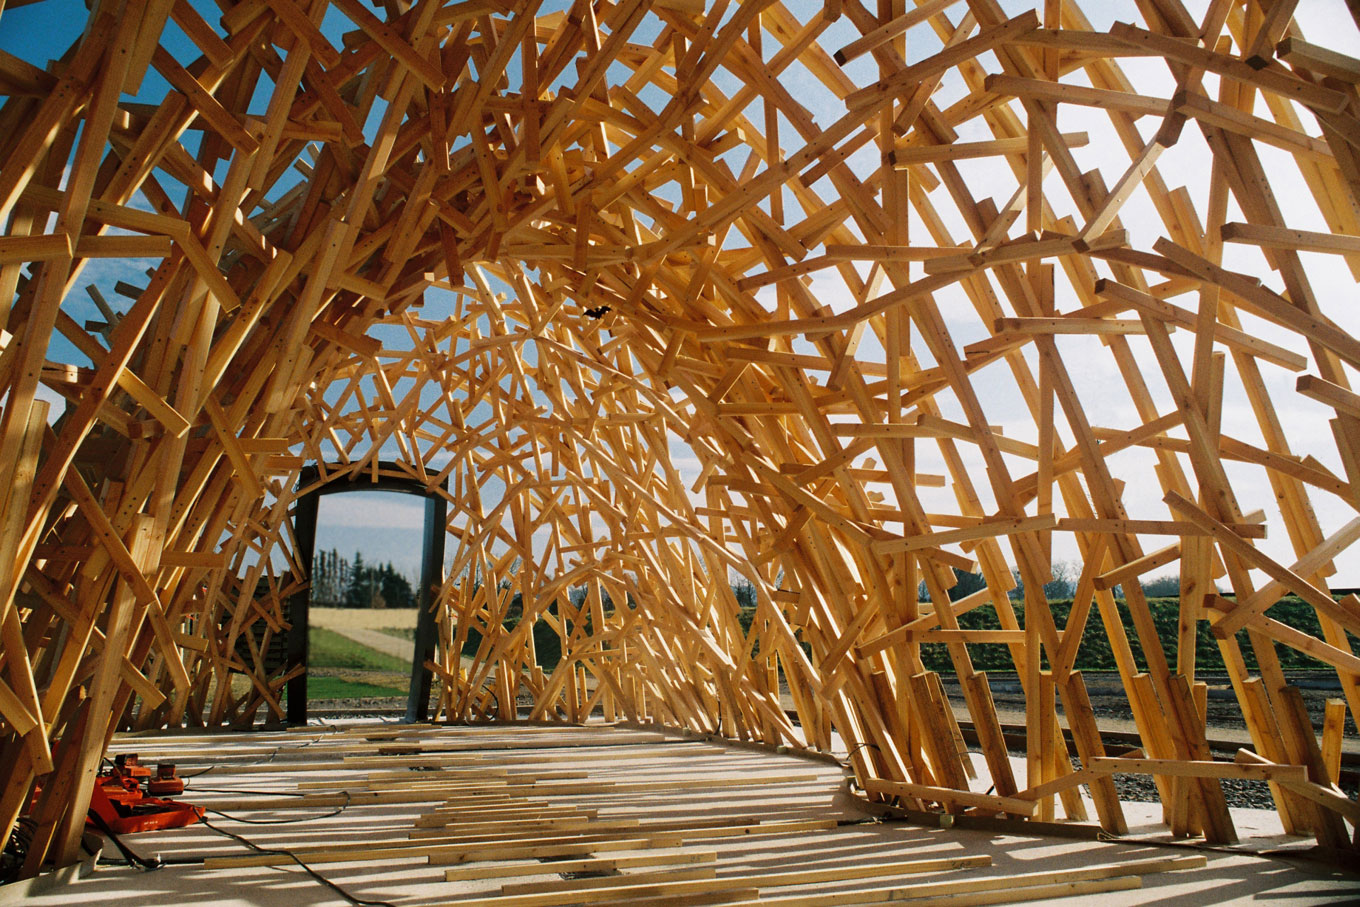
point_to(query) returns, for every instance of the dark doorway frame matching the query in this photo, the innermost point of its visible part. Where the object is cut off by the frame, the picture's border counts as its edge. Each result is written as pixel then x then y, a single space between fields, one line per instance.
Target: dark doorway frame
pixel 431 573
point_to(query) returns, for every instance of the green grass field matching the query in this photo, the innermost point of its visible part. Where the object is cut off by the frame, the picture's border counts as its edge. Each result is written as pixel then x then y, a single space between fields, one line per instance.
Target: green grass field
pixel 320 688
pixel 328 649
pixel 331 654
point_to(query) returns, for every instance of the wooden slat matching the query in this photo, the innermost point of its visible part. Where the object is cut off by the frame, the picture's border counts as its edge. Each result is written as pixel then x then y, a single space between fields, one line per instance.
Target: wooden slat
pixel 652 296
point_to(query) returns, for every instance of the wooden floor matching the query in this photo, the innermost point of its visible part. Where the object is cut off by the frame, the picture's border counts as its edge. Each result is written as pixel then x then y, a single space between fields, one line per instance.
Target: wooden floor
pixel 519 815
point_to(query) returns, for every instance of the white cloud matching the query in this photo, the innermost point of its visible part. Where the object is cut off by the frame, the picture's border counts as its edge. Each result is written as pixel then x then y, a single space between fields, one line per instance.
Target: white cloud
pixel 371 510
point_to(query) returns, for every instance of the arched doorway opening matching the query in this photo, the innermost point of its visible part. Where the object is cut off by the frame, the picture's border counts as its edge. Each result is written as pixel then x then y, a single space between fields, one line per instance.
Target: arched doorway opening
pixel 432 561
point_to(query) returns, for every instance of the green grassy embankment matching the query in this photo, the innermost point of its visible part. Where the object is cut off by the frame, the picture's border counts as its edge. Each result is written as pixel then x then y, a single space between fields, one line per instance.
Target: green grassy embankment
pixel 341 668
pixel 328 649
pixel 321 687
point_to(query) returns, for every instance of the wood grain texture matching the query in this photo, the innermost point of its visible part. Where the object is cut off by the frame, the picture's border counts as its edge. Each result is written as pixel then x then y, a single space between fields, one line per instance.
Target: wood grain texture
pixel 658 296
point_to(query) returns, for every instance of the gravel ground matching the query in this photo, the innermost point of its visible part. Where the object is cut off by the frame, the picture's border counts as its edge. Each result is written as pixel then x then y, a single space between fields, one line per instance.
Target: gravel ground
pixel 1110 704
pixel 1237 792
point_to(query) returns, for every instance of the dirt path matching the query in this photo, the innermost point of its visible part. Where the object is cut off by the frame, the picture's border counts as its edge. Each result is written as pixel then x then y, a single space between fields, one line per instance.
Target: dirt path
pixel 367 618
pixel 405 649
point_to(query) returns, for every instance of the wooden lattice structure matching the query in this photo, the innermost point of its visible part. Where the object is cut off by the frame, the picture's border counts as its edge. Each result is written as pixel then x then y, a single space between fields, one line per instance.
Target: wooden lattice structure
pixel 669 294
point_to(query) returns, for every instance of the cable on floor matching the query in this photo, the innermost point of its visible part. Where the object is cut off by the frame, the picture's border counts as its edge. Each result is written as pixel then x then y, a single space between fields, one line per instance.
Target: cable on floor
pixel 275 851
pixel 335 812
pixel 132 858
pixel 244 790
pixel 264 761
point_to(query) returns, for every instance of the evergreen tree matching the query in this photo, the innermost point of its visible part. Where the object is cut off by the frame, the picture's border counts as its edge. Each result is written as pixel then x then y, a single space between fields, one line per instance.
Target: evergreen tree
pixel 361 585
pixel 745 592
pixel 396 589
pixel 966 584
pixel 359 591
pixel 330 579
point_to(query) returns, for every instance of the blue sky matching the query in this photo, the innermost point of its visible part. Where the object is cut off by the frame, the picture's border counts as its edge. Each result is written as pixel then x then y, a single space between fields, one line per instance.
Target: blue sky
pixel 384 526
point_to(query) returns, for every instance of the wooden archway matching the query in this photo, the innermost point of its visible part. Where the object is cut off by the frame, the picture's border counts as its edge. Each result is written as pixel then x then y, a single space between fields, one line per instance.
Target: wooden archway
pixel 844 301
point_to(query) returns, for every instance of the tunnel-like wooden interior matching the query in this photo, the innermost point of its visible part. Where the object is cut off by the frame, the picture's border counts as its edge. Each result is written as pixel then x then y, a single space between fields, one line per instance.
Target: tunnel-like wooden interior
pixel 873 313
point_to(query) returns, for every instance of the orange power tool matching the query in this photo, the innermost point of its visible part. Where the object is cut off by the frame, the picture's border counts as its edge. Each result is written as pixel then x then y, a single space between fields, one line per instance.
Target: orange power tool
pixel 129 798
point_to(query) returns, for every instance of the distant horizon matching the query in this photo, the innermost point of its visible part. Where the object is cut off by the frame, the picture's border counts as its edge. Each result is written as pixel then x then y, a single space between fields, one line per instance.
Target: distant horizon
pixel 385 527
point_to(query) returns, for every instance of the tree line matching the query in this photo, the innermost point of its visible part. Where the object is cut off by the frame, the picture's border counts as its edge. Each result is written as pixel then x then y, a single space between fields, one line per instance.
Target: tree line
pixel 338 582
pixel 1062 586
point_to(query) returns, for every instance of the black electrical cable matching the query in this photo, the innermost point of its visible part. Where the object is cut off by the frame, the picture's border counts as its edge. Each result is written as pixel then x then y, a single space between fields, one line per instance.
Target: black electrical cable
pixel 15 850
pixel 335 812
pixel 855 749
pixel 357 902
pixel 268 793
pixel 266 760
pixel 243 790
pixel 132 858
